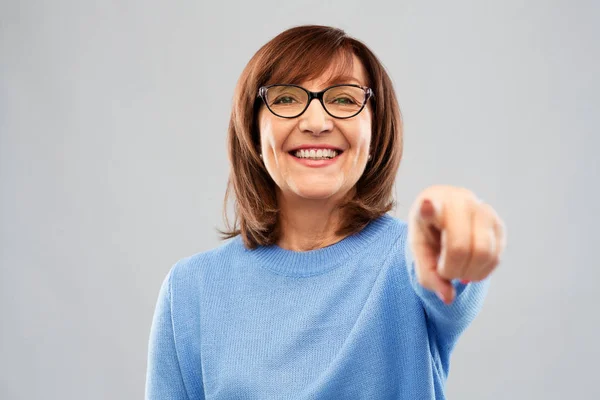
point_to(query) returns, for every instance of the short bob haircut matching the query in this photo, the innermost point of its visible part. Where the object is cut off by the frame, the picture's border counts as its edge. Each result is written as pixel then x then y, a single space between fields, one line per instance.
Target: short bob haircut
pixel 296 55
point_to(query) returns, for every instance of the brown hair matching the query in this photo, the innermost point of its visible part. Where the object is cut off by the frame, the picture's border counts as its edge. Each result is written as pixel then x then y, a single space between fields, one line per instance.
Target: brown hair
pixel 295 55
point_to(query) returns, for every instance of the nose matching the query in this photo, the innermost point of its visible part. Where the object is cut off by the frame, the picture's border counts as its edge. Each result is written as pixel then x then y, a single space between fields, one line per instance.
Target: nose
pixel 315 119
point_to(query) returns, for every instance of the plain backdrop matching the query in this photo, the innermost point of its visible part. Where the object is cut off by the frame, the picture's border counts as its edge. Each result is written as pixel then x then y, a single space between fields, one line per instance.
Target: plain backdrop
pixel 113 166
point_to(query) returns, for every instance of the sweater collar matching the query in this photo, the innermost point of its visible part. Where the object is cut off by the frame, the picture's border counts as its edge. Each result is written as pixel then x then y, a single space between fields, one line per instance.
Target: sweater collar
pixel 315 262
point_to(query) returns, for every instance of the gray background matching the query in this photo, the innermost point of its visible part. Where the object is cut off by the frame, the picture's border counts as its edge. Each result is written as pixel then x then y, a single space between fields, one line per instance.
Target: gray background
pixel 113 165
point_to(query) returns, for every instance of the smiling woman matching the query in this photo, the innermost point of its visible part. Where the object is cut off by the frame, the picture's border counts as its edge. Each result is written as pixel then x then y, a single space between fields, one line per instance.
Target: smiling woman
pixel 320 294
pixel 350 116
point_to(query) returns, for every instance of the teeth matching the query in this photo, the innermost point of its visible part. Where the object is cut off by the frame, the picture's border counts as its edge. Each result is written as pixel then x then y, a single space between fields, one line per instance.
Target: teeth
pixel 316 154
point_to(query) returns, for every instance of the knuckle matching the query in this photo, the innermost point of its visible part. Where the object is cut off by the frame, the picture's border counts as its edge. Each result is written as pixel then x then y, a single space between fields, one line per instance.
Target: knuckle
pixel 482 252
pixel 458 250
pixel 488 209
pixel 480 275
pixel 495 261
pixel 449 271
pixel 465 192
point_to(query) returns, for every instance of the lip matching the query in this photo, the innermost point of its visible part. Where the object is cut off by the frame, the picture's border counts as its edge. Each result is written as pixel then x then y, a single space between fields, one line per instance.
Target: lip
pixel 317 163
pixel 317 146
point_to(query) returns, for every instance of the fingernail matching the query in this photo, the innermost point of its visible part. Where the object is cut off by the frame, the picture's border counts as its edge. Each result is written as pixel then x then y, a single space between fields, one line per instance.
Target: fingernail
pixel 427 208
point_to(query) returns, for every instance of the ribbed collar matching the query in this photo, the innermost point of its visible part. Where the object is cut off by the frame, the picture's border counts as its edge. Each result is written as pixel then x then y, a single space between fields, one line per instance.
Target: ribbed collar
pixel 314 262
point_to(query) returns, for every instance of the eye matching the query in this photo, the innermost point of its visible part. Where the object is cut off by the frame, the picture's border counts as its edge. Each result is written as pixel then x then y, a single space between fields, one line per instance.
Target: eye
pixel 284 100
pixel 343 100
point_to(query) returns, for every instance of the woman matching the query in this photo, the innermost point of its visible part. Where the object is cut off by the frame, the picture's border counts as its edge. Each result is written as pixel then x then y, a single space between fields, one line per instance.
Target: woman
pixel 320 294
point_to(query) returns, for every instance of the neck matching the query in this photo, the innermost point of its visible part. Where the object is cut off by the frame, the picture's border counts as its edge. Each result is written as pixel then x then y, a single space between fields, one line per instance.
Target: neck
pixel 308 224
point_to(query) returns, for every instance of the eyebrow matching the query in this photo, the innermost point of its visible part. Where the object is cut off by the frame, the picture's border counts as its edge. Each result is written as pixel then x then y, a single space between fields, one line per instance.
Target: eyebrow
pixel 344 79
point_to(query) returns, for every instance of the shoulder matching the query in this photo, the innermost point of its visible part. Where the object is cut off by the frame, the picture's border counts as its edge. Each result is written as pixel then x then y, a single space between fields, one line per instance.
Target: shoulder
pixel 398 224
pixel 188 272
pixel 392 239
pixel 381 239
pixel 391 227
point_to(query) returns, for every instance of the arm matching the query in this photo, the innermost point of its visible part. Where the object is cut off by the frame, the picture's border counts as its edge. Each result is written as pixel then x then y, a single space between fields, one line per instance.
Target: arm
pixel 453 239
pixel 448 321
pixel 164 380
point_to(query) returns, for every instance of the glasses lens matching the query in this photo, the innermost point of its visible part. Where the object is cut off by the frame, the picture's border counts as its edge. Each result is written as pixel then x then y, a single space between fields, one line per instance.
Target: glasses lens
pixel 286 101
pixel 344 101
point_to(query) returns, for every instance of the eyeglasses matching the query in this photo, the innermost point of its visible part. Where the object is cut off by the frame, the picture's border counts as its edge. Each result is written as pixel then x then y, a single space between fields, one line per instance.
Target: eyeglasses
pixel 291 101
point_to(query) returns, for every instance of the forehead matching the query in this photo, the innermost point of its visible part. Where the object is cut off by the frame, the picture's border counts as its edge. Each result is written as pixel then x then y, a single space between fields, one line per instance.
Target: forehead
pixel 336 73
pixel 318 72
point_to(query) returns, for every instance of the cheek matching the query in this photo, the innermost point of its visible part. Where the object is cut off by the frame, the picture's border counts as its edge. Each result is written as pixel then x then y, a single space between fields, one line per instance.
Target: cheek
pixel 365 131
pixel 272 135
pixel 265 127
pixel 360 135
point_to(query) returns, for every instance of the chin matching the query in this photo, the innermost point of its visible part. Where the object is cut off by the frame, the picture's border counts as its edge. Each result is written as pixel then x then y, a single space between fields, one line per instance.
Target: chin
pixel 316 191
pixel 314 194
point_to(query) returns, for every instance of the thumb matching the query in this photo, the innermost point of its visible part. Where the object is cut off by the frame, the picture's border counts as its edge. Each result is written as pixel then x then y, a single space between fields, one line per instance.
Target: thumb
pixel 443 288
pixel 427 246
pixel 426 259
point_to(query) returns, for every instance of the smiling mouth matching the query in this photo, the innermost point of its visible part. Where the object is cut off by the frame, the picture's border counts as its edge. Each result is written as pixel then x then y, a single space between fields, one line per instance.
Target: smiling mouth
pixel 315 154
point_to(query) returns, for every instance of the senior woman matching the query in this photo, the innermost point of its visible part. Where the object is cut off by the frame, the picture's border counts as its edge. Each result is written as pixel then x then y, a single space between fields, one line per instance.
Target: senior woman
pixel 319 293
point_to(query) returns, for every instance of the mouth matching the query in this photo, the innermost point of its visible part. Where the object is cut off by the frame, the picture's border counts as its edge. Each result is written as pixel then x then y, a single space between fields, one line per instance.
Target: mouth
pixel 316 157
pixel 316 153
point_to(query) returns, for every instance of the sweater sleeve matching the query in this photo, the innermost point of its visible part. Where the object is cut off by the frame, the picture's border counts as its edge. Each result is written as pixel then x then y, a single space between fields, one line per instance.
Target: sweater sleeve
pixel 446 322
pixel 164 380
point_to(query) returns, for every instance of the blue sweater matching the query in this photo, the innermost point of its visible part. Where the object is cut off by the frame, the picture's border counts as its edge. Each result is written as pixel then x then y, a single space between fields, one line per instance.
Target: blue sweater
pixel 348 321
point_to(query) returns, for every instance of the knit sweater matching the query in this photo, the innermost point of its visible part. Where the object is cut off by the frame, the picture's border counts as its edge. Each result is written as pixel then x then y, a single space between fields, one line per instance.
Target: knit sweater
pixel 347 321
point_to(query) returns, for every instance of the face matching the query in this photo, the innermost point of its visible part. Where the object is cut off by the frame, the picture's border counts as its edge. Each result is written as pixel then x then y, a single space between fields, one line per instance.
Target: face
pixel 305 178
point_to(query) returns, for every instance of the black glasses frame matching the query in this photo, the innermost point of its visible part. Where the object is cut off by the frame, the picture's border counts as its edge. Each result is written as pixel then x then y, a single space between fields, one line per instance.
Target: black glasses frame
pixel 262 93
